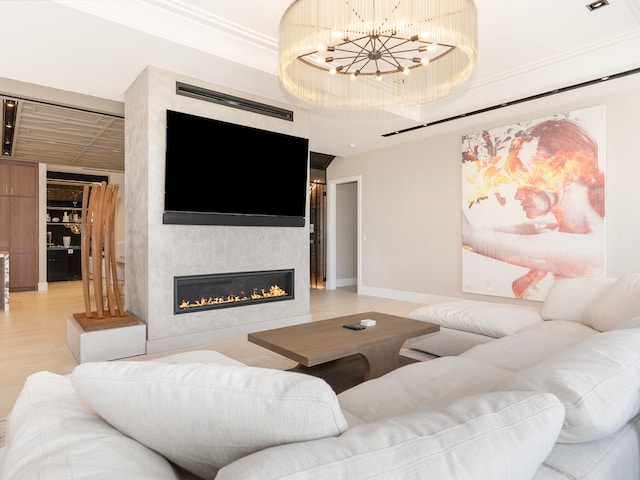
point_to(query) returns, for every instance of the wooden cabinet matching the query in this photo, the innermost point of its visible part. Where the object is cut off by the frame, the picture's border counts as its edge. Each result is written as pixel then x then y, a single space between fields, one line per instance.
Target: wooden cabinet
pixel 19 222
pixel 64 264
pixel 57 265
pixel 18 178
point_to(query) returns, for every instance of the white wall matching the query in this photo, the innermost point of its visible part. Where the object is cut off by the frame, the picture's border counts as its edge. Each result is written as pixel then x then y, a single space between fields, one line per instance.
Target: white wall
pixel 411 195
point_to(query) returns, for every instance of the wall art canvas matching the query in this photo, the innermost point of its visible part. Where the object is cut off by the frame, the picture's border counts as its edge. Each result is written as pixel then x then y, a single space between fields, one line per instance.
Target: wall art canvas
pixel 533 204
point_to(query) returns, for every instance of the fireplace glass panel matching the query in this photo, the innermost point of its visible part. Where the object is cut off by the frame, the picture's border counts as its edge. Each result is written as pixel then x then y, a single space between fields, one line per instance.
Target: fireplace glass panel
pixel 205 292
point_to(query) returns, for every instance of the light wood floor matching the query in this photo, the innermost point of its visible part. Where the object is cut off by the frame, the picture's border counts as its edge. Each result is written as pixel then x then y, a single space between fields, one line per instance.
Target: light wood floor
pixel 33 334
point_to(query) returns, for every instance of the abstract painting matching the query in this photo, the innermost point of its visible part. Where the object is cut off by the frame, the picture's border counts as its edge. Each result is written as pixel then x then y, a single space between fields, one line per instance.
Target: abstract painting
pixel 533 204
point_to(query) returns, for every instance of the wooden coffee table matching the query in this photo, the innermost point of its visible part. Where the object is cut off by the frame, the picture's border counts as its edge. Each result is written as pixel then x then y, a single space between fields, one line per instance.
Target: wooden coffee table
pixel 316 343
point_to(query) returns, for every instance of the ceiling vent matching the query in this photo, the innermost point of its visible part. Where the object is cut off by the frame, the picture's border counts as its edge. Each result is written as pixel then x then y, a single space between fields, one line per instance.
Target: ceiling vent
pixel 232 101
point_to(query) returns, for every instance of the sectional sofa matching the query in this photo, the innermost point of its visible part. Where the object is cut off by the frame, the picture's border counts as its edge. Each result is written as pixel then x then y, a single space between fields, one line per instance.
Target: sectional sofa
pixel 558 399
pixel 467 323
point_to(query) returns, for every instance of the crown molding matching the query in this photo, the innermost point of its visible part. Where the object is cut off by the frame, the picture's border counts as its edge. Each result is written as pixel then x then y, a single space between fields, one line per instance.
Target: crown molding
pixel 181 22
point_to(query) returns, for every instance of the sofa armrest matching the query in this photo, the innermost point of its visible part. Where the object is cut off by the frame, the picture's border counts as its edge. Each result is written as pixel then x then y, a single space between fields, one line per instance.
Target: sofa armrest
pixel 51 435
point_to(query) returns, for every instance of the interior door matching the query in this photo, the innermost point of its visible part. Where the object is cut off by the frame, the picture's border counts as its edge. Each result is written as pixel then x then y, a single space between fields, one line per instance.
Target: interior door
pixel 317 228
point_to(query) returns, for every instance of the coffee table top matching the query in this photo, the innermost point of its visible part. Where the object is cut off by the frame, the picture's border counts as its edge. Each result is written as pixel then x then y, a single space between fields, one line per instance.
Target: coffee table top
pixel 322 341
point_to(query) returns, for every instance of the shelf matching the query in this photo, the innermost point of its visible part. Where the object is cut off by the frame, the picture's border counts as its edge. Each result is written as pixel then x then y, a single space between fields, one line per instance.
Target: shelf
pixel 64 224
pixel 71 209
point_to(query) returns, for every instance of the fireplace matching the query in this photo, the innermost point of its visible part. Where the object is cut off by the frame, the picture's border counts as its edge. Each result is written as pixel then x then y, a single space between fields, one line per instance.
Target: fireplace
pixel 194 293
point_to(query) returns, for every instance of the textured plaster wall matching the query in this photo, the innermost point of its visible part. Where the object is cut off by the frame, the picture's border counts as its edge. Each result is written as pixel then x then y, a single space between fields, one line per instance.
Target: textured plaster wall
pixel 156 252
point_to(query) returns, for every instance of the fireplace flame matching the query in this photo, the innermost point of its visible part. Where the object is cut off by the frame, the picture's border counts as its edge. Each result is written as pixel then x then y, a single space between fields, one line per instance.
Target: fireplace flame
pixel 274 291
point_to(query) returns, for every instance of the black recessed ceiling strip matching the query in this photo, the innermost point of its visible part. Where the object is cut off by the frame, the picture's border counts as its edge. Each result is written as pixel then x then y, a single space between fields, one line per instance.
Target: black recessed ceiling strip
pixel 514 102
pixel 9 112
pixel 232 101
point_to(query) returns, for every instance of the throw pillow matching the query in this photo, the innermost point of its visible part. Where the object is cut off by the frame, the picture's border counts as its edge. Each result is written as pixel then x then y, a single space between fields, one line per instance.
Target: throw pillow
pixel 51 436
pixel 203 416
pixel 568 298
pixel 596 379
pixel 494 436
pixel 617 304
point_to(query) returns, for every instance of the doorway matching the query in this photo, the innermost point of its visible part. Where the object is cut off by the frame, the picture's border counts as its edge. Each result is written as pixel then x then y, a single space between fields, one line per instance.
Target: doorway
pixel 344 233
pixel 63 223
pixel 317 230
pixel 318 163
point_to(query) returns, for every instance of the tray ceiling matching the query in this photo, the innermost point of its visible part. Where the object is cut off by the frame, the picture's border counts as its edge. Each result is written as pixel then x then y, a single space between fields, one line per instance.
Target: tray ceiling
pixel 91 49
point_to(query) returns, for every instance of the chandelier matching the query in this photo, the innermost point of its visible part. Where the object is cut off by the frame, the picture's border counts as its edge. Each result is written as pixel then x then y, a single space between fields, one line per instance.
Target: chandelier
pixel 376 54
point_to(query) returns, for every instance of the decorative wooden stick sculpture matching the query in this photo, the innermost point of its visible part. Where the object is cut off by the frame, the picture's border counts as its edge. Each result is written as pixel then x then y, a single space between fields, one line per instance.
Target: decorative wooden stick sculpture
pixel 98 254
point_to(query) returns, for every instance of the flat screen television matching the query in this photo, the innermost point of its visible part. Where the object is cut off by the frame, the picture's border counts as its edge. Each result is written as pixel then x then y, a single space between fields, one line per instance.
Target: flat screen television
pixel 220 173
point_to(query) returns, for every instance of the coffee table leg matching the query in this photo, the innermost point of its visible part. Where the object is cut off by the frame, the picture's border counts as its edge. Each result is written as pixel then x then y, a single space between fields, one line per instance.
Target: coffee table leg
pixel 381 358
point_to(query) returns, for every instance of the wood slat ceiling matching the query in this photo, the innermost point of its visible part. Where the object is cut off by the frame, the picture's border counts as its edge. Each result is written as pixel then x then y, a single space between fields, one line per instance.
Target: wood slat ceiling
pixel 60 135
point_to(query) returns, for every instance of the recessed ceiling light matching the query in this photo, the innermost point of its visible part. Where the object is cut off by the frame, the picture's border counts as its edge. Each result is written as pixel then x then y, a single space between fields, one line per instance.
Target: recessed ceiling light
pixel 596 5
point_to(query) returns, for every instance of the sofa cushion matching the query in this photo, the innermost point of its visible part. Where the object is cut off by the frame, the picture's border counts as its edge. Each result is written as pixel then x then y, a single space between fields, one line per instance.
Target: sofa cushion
pixel 631 323
pixel 616 304
pixel 596 379
pixel 447 342
pixel 503 436
pixel 418 386
pixel 491 319
pixel 51 436
pixel 203 416
pixel 614 457
pixel 568 298
pixel 530 345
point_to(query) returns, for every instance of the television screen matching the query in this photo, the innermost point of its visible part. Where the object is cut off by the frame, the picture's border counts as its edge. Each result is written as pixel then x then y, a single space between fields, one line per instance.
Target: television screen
pixel 220 173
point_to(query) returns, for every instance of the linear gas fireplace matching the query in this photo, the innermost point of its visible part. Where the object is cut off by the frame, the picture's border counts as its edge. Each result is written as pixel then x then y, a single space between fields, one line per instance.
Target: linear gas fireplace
pixel 195 293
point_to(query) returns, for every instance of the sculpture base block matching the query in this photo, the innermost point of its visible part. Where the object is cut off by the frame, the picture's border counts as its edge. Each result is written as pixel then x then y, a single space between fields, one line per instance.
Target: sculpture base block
pixel 108 343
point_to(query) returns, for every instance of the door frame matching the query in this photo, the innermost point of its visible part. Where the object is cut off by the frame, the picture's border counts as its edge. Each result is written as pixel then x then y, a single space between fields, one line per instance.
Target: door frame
pixel 332 229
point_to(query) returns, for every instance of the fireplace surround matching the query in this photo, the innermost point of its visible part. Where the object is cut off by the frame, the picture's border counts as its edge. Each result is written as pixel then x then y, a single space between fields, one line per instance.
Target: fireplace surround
pixel 194 293
pixel 156 253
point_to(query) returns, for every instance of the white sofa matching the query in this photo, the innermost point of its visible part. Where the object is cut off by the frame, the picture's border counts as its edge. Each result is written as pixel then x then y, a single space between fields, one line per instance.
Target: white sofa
pixel 559 399
pixel 467 323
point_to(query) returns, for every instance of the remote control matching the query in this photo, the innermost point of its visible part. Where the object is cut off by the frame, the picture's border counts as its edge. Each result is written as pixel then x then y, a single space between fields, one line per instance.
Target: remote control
pixel 354 326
